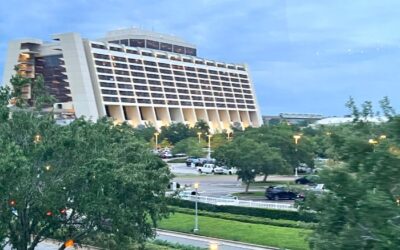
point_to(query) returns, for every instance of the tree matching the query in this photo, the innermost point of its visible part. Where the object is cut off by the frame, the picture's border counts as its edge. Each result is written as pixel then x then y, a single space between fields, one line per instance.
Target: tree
pixel 202 127
pixel 176 132
pixel 361 209
pixel 249 157
pixel 146 132
pixel 190 147
pixel 76 181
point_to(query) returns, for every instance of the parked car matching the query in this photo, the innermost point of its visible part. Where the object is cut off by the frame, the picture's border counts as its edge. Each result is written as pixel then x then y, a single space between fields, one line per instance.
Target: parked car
pixel 194 160
pixel 166 155
pixel 180 155
pixel 280 193
pixel 307 180
pixel 229 171
pixel 210 169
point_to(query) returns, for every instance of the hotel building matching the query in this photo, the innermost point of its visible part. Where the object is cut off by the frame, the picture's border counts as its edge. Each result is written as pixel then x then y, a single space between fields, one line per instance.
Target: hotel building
pixel 137 76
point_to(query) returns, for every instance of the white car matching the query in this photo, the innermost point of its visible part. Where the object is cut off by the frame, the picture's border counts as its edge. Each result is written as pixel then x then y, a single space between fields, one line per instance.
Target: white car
pixel 229 171
pixel 210 169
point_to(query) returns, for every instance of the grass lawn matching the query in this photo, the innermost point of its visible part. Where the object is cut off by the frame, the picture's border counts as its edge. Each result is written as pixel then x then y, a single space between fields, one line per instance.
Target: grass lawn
pixel 283 237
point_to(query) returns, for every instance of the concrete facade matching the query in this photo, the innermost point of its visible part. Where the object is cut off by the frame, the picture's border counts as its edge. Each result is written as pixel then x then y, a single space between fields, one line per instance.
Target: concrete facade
pixel 141 77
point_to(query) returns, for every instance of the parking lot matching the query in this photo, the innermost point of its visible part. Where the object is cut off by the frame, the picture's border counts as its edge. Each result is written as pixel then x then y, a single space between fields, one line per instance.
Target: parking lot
pixel 218 185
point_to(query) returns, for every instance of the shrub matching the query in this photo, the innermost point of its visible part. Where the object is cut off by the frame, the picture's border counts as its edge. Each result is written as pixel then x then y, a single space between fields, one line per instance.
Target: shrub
pixel 256 212
pixel 248 219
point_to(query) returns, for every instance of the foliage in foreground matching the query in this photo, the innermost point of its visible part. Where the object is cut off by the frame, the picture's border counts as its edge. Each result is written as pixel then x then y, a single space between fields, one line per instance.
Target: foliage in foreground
pixel 69 181
pixel 361 209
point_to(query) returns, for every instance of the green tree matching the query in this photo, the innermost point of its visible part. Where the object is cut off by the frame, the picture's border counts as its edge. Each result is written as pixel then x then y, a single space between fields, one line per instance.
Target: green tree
pixel 202 127
pixel 76 181
pixel 146 132
pixel 361 209
pixel 190 147
pixel 249 157
pixel 176 132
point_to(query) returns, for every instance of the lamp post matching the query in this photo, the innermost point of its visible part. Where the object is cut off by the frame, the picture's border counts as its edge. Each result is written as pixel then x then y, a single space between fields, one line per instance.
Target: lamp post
pixel 156 135
pixel 199 135
pixel 373 142
pixel 296 141
pixel 209 146
pixel 229 133
pixel 196 219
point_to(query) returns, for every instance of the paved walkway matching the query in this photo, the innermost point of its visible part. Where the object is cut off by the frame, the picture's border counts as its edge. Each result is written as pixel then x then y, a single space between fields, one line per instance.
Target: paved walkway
pixel 204 242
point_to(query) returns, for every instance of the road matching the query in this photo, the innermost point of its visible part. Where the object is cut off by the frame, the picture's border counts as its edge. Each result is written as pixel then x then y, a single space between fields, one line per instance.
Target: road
pixel 204 242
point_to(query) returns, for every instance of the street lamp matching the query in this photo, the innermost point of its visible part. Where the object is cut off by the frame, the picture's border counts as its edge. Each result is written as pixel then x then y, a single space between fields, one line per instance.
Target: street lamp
pixel 229 133
pixel 199 135
pixel 209 146
pixel 296 141
pixel 156 135
pixel 196 219
pixel 382 137
pixel 372 141
pixel 213 245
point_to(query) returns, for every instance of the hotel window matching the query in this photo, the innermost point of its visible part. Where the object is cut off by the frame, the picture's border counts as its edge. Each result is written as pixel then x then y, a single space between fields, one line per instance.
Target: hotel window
pixel 154 76
pixel 243 76
pixel 245 86
pixel 103 70
pixel 198 104
pixel 174 66
pixel 131 51
pixel 187 60
pixel 190 68
pixel 162 56
pixel 150 63
pixel 228 95
pixel 183 91
pixel 136 43
pixel 150 69
pixel 164 65
pixel 241 106
pixel 241 68
pixel 171 84
pixel 181 85
pixel 197 98
pixel 210 104
pixel 107 84
pixel 146 101
pixel 156 89
pixel 142 94
pixel 158 101
pixel 214 77
pixel 122 72
pixel 244 81
pixel 136 80
pixel 193 86
pixel 128 100
pixel 239 101
pixel 103 77
pixel 207 93
pixel 136 61
pixel 221 65
pixel 180 73
pixel 110 99
pixel 170 90
pixel 165 71
pixel 125 42
pixel 144 53
pixel 213 72
pixel 227 89
pixel 234 80
pixel 231 67
pixel 199 62
pixel 138 87
pixel 157 95
pixel 190 51
pixel 100 63
pixel 251 107
pixel 120 65
pixel 134 67
pixel 118 58
pixel 164 77
pixel 219 99
pixel 124 86
pixel 101 56
pixel 169 96
pixel 246 91
pixel 128 93
pixel 248 96
pixel 98 46
pixel 137 74
pixel 220 105
pixel 182 79
pixel 231 105
pixel 108 92
pixel 178 49
pixel 166 47
pixel 152 44
pixel 210 64
pixel 201 70
pixel 173 102
pixel 249 101
pixel 186 103
pixel 116 49
pixel 195 92
pixel 184 97
pixel 154 82
pixel 203 76
pixel 123 79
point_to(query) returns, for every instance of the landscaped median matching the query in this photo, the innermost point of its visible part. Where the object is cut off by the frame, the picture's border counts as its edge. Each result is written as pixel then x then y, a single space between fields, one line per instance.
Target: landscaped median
pixel 260 234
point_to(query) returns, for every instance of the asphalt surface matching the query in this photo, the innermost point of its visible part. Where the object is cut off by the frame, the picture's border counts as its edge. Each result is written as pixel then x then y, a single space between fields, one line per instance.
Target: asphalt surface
pixel 219 185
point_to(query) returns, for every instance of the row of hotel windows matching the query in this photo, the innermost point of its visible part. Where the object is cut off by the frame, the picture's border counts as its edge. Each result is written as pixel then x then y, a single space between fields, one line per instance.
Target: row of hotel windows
pixel 174 58
pixel 182 103
pixel 205 91
pixel 222 77
pixel 192 88
pixel 156 77
pixel 174 96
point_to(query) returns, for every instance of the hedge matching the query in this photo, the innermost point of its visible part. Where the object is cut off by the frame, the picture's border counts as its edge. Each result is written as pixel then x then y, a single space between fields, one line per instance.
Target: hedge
pixel 248 219
pixel 256 212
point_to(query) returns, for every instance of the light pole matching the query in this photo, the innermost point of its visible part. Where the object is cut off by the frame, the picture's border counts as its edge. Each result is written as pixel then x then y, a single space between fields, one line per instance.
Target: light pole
pixel 196 219
pixel 156 135
pixel 296 141
pixel 373 142
pixel 229 133
pixel 199 135
pixel 209 146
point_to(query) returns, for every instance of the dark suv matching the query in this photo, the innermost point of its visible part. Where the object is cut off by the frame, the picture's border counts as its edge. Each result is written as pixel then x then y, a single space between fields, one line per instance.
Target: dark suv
pixel 280 193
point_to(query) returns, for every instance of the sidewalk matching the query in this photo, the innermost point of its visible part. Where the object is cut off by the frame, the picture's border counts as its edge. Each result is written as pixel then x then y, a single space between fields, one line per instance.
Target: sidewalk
pixel 204 242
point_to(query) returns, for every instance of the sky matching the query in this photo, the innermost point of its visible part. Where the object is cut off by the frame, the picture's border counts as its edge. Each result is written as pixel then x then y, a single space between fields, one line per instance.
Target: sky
pixel 304 56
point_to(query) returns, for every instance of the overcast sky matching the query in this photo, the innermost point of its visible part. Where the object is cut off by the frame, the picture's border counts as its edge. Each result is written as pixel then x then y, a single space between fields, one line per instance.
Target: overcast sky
pixel 304 56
